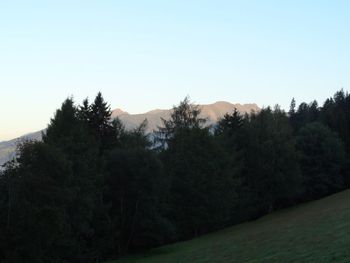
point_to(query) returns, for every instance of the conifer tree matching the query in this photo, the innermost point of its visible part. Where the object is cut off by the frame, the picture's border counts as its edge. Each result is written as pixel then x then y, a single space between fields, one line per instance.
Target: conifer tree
pixel 292 107
pixel 101 124
pixel 183 116
pixel 271 169
pixel 38 227
pixel 322 157
pixel 69 133
pixel 201 192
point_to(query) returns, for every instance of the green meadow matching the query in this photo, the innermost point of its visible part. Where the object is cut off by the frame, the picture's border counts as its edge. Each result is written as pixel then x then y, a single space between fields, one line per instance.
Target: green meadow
pixel 317 231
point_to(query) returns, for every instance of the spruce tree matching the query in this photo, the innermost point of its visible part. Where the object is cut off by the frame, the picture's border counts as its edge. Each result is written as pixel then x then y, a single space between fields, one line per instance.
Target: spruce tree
pixel 270 170
pixel 100 123
pixel 69 133
pixel 322 158
pixel 201 193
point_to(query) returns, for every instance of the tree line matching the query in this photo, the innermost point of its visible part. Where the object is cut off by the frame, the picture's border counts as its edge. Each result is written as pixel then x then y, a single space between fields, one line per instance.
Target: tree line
pixel 92 190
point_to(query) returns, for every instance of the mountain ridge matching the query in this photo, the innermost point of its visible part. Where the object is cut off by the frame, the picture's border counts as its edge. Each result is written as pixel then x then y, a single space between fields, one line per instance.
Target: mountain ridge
pixel 211 112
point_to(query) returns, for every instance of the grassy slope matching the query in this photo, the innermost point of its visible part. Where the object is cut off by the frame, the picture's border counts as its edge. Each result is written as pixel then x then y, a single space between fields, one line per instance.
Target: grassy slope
pixel 318 231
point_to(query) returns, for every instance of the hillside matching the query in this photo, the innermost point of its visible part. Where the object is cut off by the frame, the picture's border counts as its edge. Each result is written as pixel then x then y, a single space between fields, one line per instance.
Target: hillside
pixel 317 231
pixel 8 148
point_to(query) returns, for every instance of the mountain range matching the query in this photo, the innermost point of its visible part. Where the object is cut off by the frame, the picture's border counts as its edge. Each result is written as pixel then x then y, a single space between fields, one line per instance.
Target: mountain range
pixel 211 112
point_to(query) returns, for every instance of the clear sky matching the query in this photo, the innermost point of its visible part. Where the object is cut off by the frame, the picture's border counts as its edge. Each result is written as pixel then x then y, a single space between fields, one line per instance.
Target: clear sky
pixel 151 54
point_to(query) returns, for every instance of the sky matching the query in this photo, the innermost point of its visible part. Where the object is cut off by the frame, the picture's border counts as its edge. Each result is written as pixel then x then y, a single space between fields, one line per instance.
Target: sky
pixel 144 55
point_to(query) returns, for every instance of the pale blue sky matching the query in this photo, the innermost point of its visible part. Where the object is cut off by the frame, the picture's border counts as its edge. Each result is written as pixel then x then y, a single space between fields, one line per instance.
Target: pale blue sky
pixel 151 54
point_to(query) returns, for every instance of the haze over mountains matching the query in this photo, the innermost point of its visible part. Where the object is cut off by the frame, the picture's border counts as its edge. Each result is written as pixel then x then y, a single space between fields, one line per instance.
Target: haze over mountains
pixel 212 112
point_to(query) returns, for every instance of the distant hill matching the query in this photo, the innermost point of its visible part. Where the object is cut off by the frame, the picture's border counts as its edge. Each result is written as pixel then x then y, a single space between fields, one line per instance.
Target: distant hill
pixel 212 112
pixel 8 148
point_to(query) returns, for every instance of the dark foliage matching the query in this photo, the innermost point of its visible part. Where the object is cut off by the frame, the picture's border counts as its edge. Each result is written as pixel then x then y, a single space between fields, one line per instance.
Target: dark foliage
pixel 322 157
pixel 92 190
pixel 270 169
pixel 136 191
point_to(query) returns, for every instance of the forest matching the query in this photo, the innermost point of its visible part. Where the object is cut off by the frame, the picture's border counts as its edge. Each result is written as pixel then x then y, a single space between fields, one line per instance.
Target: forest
pixel 92 190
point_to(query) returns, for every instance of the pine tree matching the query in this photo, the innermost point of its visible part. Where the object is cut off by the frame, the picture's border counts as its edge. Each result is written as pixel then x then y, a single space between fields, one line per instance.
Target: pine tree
pixel 271 169
pixel 71 135
pixel 84 111
pixel 183 116
pixel 101 124
pixel 292 108
pixel 322 157
pixel 135 190
pixel 229 125
pixel 38 227
pixel 201 193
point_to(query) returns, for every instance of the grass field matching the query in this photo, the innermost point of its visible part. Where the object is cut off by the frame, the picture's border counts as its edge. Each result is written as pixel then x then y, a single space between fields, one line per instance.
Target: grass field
pixel 318 231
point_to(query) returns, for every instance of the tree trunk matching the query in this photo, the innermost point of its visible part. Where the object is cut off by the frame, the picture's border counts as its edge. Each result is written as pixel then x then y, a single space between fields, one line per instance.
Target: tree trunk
pixel 132 225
